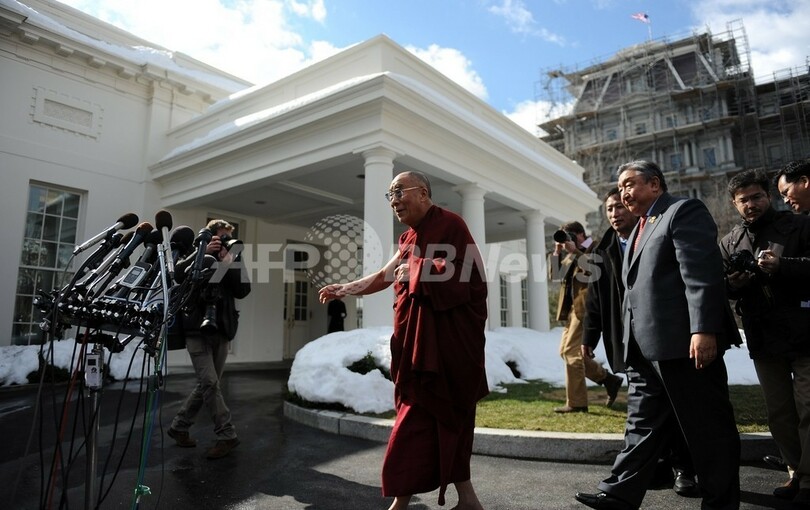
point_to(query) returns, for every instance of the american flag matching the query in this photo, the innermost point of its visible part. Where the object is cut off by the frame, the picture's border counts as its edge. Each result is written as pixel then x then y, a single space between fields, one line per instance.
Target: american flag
pixel 641 16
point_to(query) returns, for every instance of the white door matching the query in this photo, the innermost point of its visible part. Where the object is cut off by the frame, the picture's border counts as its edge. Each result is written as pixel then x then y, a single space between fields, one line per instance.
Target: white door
pixel 296 315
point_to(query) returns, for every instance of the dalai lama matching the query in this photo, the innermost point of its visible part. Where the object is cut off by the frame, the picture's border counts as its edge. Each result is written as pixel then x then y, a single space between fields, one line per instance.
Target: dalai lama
pixel 437 349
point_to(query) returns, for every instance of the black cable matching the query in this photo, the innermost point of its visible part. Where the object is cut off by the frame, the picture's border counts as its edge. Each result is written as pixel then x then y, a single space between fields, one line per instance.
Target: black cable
pixel 106 493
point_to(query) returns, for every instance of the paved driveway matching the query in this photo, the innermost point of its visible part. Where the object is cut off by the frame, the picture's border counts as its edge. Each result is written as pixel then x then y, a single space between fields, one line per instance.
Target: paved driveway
pixel 279 465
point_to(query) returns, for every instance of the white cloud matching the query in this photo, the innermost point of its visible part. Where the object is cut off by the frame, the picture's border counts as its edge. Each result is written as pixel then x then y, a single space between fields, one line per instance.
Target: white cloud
pixel 521 21
pixel 528 114
pixel 453 64
pixel 260 45
pixel 777 36
pixel 314 9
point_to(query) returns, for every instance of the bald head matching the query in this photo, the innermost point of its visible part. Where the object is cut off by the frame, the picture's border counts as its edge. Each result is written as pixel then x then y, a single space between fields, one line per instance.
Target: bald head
pixel 418 178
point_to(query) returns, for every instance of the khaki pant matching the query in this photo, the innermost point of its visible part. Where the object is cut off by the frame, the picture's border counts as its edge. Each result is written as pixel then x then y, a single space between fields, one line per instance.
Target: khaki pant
pixel 577 368
pixel 208 355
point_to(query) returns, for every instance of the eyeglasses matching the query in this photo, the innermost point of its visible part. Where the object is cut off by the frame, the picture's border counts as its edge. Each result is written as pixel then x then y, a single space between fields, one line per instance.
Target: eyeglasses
pixel 397 193
pixel 787 190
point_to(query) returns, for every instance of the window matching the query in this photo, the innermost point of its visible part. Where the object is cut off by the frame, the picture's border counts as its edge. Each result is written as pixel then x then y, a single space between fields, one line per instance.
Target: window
pixel 610 134
pixel 670 121
pixel 296 297
pixel 709 160
pixel 48 242
pixel 641 128
pixel 675 161
pixel 524 302
pixel 504 301
pixel 775 154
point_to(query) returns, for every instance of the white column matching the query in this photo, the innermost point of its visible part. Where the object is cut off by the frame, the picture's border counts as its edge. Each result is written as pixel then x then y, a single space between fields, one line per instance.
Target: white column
pixel 515 301
pixel 472 210
pixel 379 166
pixel 537 284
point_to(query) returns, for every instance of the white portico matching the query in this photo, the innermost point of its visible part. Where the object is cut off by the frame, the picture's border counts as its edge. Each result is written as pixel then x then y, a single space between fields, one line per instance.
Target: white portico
pixel 333 135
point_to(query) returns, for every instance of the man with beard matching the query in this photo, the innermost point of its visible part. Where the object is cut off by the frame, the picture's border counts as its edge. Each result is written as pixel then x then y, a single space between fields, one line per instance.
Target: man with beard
pixel 767 261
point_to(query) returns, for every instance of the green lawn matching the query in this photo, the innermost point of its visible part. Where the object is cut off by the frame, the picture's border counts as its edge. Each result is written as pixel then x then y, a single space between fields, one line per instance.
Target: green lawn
pixel 531 406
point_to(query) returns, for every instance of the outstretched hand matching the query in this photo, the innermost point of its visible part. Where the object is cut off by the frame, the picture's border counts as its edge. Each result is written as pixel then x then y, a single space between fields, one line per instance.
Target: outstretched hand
pixel 330 292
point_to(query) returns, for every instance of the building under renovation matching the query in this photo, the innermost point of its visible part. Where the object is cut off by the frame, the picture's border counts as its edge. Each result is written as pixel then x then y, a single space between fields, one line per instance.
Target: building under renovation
pixel 690 104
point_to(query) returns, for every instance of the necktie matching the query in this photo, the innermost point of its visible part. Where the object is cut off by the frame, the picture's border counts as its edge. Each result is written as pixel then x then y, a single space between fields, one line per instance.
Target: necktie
pixel 641 222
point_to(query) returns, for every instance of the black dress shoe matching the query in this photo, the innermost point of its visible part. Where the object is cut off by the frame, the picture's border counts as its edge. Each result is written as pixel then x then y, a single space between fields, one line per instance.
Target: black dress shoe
pixel 685 485
pixel 788 490
pixel 775 462
pixel 603 501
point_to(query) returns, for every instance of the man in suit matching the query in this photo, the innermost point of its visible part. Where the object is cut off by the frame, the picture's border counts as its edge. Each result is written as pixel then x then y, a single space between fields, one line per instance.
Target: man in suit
pixel 571 244
pixel 677 325
pixel 603 319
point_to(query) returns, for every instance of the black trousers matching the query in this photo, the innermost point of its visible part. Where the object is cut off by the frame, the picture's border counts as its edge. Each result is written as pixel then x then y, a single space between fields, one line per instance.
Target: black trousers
pixel 699 401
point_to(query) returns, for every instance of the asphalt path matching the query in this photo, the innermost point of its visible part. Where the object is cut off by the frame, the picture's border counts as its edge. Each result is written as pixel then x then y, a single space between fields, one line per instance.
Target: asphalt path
pixel 280 464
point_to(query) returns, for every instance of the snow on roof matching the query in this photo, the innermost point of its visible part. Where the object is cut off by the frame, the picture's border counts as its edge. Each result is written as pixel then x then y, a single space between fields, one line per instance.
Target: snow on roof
pixel 525 148
pixel 138 55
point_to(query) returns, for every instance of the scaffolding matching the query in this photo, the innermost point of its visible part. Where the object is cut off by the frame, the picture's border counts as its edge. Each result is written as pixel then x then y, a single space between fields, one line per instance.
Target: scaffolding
pixel 689 103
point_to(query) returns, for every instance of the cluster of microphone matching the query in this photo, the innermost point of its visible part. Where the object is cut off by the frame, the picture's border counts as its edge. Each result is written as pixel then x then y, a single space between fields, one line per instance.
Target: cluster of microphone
pixel 111 293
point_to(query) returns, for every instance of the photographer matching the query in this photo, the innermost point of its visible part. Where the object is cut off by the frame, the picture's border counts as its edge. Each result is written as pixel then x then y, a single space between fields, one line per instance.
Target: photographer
pixel 569 266
pixel 210 322
pixel 767 274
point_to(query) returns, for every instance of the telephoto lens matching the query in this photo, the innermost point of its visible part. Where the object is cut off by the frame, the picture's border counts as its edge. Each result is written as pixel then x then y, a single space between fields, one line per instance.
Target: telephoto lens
pixel 561 236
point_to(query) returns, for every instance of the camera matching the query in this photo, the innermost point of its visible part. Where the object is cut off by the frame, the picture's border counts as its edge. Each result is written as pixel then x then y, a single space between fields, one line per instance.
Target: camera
pixel 561 236
pixel 740 261
pixel 209 322
pixel 228 242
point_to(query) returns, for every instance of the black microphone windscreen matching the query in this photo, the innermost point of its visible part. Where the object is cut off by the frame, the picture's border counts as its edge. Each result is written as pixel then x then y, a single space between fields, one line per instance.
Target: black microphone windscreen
pixel 163 219
pixel 182 238
pixel 155 237
pixel 127 238
pixel 129 220
pixel 144 228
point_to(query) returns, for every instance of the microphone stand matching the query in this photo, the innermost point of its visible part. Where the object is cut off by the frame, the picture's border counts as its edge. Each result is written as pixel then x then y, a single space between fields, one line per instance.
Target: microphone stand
pixel 155 381
pixel 93 376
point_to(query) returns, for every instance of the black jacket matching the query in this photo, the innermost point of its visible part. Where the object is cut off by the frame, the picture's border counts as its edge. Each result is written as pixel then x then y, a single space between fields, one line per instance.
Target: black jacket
pixel 222 294
pixel 775 320
pixel 603 302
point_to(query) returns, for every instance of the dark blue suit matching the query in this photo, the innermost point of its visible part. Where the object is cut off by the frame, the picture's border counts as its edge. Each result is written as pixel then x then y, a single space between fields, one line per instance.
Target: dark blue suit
pixel 674 287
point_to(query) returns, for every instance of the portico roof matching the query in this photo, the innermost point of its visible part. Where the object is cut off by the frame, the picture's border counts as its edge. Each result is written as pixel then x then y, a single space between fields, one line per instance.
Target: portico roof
pixel 292 151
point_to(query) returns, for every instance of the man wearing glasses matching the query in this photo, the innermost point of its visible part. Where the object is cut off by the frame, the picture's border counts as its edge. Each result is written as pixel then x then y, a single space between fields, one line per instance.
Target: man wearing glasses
pixel 793 182
pixel 437 349
pixel 767 271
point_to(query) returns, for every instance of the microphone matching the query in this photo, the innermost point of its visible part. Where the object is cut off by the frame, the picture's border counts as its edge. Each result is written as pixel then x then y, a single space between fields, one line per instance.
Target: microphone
pixel 182 241
pixel 150 245
pixel 110 243
pixel 141 233
pixel 203 238
pixel 163 220
pixel 126 221
pixel 90 281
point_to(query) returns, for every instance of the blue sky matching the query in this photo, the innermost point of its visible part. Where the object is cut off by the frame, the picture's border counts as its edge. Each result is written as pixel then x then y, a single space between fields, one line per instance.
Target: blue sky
pixel 497 49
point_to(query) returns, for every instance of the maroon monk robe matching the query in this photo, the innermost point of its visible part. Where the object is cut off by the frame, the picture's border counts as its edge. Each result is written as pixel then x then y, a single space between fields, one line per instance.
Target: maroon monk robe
pixel 437 357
